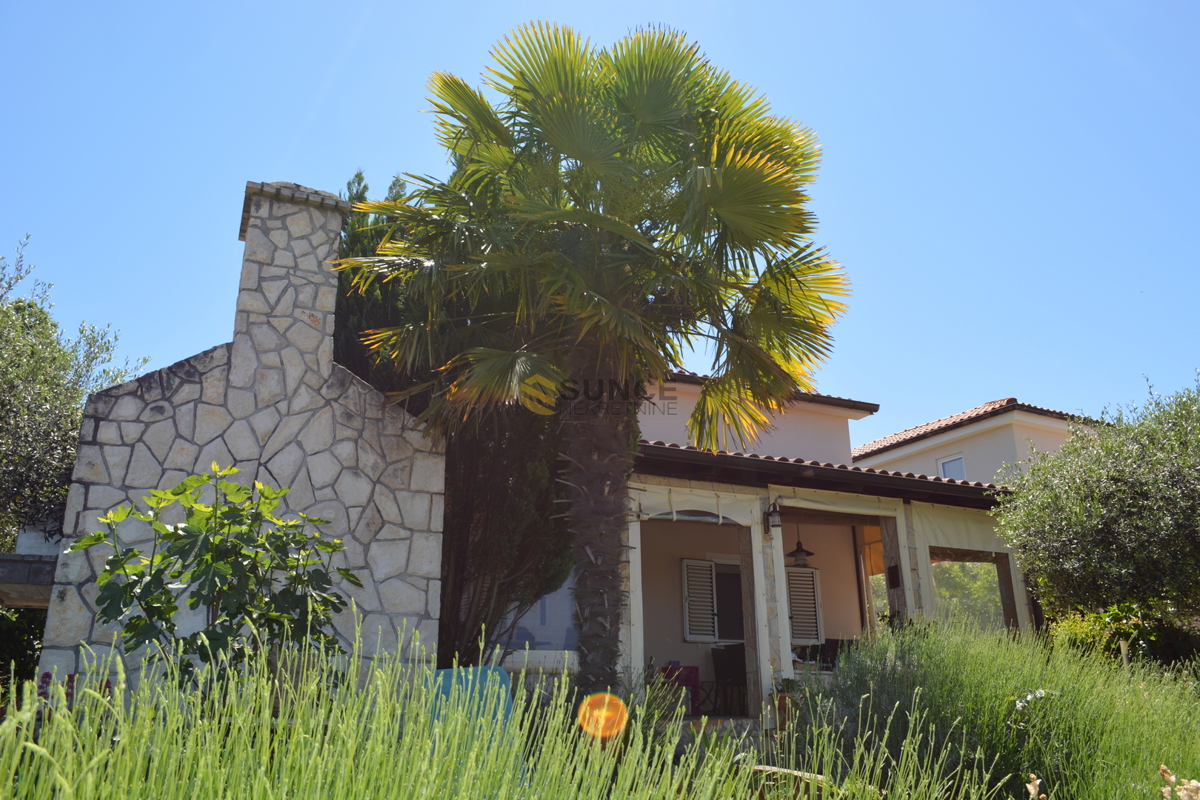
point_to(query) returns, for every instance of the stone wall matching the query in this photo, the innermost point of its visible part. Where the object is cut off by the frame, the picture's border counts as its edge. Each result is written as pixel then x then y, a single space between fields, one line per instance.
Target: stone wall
pixel 275 405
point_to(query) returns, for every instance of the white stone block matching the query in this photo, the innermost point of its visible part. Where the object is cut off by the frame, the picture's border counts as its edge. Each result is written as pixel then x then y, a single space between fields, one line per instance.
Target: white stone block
pixel 434 594
pixel 299 223
pixel 346 452
pixel 131 431
pixel 304 399
pixel 144 470
pixel 269 387
pixel 243 362
pixel 265 338
pixel 396 476
pixel 385 501
pixel 390 530
pixel 185 420
pixel 334 513
pixel 211 422
pixel 182 456
pixel 370 461
pixel 293 368
pixel 251 302
pixel 159 437
pixel 118 461
pixel 428 472
pixel 127 408
pixel 306 338
pixel 399 597
pixel 366 597
pixel 437 512
pixel 318 434
pixel 68 620
pixel 284 433
pixel 264 424
pixel 215 452
pixel 323 469
pixel 353 488
pixel 241 441
pixel 186 392
pixel 258 248
pixel 240 403
pixel 395 448
pixel 109 433
pixel 415 508
pixel 286 463
pixel 389 559
pixel 425 560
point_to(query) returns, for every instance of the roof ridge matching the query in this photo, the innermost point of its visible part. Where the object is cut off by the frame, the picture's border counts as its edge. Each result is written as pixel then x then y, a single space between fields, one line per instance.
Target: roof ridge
pixel 926 429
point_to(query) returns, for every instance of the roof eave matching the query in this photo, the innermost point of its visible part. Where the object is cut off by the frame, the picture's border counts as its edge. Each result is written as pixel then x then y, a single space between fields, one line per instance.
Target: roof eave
pixel 679 462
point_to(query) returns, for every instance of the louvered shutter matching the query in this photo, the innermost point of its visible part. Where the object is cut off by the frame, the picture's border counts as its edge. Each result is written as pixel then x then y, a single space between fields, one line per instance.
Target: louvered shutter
pixel 699 601
pixel 804 606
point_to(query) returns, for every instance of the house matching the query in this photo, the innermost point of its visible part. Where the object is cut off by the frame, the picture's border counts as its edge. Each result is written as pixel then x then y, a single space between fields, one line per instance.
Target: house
pixel 972 445
pixel 739 567
pixel 743 567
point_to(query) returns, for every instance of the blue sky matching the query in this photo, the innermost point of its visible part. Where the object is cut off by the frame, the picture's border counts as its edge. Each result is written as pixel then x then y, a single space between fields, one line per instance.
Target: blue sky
pixel 1012 187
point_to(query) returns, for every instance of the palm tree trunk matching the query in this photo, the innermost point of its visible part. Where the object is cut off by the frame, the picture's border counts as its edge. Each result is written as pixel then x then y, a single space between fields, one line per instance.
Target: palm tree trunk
pixel 602 433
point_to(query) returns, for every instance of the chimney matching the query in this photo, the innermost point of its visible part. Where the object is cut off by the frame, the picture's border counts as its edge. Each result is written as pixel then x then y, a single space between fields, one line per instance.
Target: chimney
pixel 283 330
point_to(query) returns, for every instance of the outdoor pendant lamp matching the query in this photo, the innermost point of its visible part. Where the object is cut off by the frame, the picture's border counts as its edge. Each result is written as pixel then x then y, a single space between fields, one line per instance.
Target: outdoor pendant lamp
pixel 800 554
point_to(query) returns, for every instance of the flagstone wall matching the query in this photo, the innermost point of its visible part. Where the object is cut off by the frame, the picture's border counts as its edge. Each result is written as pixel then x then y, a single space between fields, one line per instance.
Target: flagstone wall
pixel 273 403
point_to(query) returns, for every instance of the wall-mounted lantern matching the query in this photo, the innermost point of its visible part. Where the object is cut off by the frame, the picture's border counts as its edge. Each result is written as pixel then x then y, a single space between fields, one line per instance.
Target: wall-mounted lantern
pixel 773 520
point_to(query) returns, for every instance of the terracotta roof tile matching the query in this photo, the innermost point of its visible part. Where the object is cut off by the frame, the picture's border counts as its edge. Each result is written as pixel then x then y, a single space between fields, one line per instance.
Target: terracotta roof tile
pixel 990 409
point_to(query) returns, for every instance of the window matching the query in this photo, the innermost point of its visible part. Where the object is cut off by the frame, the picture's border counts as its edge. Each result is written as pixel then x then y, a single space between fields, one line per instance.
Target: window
pixel 712 602
pixel 804 606
pixel 952 467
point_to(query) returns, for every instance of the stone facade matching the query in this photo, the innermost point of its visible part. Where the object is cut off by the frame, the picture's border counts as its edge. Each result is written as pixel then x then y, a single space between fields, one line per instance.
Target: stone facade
pixel 274 404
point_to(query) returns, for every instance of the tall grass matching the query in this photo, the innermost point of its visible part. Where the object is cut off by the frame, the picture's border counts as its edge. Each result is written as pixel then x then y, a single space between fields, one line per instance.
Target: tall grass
pixel 316 730
pixel 1087 726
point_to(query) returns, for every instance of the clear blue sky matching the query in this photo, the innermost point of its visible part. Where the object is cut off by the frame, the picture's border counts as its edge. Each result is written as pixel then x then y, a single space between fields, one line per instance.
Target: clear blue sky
pixel 1013 188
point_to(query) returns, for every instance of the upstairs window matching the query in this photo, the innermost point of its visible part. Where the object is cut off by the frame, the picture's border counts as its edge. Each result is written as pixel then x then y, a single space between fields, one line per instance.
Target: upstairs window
pixel 952 468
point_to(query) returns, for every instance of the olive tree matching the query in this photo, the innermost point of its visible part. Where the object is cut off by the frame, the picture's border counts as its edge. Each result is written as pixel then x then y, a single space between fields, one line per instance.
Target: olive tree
pixel 1113 517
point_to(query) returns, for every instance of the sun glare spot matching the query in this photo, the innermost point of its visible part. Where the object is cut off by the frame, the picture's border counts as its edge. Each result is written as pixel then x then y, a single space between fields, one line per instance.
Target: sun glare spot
pixel 603 715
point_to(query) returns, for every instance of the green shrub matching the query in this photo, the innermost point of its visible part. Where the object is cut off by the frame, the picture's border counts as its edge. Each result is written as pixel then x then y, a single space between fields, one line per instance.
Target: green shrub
pixel 1086 725
pixel 263 582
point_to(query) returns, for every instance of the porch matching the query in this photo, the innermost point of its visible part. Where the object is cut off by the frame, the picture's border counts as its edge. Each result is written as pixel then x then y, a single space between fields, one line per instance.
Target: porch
pixel 734 587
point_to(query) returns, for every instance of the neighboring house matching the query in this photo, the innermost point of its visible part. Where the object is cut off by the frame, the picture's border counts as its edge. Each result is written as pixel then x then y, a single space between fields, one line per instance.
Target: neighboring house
pixel 972 445
pixel 274 404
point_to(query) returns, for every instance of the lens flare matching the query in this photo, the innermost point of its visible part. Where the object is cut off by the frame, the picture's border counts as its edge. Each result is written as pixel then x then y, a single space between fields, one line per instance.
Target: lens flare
pixel 603 715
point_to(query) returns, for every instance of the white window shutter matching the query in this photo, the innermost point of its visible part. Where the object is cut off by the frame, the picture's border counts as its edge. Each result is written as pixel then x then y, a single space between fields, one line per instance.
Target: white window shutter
pixel 804 606
pixel 699 601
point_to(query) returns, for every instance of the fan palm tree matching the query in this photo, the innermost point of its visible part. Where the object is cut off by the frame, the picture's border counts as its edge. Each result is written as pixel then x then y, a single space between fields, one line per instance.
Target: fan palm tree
pixel 609 209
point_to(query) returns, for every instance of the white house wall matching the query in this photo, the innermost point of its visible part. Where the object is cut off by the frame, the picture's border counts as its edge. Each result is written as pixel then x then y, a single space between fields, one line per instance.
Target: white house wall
pixel 811 431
